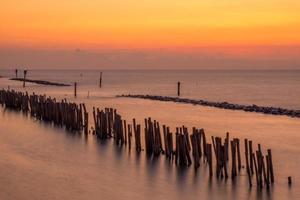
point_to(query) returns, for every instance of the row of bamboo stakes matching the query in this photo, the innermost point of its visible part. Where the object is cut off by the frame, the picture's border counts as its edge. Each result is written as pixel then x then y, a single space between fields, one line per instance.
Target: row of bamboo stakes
pixel 180 148
pixel 72 116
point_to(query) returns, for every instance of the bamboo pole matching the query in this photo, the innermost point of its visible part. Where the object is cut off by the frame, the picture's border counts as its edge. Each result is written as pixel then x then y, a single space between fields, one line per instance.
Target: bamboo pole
pixel 75 89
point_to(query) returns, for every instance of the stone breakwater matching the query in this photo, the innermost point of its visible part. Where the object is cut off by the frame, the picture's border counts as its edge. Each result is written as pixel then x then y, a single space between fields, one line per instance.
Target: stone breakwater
pixel 41 82
pixel 223 105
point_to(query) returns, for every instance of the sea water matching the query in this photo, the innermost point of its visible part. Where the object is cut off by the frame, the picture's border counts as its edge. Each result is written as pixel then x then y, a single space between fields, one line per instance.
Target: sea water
pixel 39 161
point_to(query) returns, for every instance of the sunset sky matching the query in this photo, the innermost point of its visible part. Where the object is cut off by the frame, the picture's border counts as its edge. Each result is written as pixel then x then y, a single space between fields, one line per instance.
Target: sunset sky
pixel 150 33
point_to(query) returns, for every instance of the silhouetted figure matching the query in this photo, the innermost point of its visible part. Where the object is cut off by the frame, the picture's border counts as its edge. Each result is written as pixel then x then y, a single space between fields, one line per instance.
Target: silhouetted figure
pixel 16 72
pixel 25 73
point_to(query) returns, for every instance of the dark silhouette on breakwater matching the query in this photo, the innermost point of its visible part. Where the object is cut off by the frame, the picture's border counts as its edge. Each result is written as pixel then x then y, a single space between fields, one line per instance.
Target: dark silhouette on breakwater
pixel 181 151
pixel 41 82
pixel 224 105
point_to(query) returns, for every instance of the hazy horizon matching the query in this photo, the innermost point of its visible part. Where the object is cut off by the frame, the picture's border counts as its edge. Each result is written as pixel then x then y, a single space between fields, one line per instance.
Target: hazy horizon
pixel 247 57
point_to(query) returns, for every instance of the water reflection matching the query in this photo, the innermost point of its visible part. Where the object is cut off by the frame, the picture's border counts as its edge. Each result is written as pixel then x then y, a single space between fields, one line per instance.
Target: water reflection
pixel 152 164
pixel 118 151
pixel 102 169
pixel 181 177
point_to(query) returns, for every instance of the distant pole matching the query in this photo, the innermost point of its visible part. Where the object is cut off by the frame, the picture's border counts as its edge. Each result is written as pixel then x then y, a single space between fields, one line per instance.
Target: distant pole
pixel 25 72
pixel 178 88
pixel 290 180
pixel 100 80
pixel 16 72
pixel 75 89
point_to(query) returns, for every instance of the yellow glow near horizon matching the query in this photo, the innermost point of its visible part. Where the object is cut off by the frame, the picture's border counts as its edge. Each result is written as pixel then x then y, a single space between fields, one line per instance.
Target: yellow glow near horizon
pixel 148 23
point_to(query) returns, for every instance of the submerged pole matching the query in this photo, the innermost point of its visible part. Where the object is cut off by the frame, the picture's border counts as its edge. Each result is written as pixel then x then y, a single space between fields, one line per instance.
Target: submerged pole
pixel 178 88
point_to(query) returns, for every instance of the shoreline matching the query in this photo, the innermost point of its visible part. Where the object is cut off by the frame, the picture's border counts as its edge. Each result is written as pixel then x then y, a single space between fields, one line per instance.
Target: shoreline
pixel 223 105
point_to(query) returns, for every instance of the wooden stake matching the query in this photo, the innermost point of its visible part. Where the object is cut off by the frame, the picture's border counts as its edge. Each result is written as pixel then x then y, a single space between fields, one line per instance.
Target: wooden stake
pixel 209 158
pixel 271 165
pixel 290 180
pixel 100 80
pixel 25 72
pixel 75 89
pixel 251 157
pixel 247 162
pixel 256 170
pixel 178 88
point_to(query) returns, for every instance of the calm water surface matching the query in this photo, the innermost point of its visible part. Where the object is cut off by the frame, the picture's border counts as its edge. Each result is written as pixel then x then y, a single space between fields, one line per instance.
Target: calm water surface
pixel 271 88
pixel 39 161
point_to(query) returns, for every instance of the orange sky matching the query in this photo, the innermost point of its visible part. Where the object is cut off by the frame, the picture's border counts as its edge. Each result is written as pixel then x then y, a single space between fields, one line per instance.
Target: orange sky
pixel 149 24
